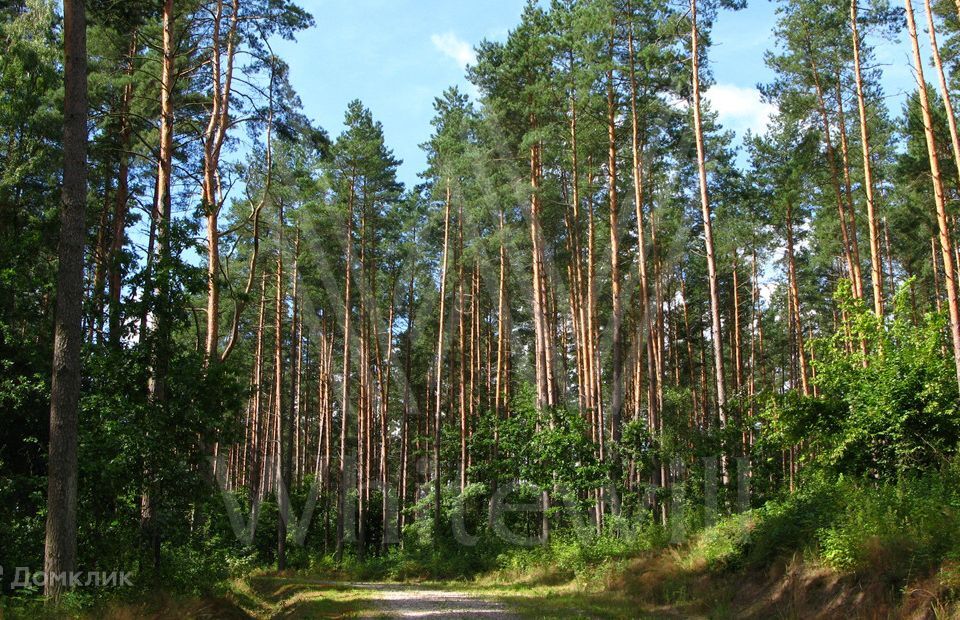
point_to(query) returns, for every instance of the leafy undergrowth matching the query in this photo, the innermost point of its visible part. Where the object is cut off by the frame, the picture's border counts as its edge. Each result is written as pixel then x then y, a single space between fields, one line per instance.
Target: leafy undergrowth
pixel 843 549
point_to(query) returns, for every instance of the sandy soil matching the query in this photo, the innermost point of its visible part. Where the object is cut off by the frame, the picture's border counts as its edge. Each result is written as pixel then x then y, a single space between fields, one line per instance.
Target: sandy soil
pixel 411 601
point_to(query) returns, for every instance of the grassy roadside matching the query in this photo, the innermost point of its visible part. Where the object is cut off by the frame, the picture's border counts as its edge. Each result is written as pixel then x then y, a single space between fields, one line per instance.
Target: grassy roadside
pixel 598 592
pixel 260 595
pixel 299 596
pixel 557 601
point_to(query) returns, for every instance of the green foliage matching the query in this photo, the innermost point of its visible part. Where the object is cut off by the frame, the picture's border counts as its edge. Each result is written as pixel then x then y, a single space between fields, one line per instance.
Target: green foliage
pixel 891 529
pixel 890 411
pixel 544 448
pixel 724 544
pixel 909 526
pixel 570 556
pixel 789 525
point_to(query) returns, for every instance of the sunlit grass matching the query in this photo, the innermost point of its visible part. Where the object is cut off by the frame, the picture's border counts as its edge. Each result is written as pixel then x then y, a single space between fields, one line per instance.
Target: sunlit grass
pixel 297 596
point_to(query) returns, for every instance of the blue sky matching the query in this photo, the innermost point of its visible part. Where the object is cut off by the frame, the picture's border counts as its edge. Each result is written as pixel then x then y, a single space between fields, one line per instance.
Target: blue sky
pixel 394 55
pixel 397 55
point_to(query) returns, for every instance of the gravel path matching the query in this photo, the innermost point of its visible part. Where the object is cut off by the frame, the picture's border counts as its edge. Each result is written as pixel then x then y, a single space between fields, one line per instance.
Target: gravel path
pixel 410 601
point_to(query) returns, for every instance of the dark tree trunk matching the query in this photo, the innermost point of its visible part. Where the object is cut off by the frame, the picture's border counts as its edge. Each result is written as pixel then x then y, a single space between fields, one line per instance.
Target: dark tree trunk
pixel 61 542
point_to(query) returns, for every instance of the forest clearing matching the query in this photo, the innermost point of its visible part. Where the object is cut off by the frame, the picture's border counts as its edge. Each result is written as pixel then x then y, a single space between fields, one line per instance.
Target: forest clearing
pixel 610 309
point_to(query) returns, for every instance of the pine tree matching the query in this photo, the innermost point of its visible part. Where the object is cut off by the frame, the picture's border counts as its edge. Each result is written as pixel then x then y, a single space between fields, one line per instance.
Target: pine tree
pixel 61 543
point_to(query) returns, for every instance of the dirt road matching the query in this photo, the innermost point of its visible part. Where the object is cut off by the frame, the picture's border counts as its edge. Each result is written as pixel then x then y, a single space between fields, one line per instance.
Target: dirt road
pixel 412 601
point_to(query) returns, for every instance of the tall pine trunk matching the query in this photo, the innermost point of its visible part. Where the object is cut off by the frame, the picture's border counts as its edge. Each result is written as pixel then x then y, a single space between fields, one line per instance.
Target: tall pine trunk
pixel 161 294
pixel 121 205
pixel 213 140
pixel 616 382
pixel 646 317
pixel 853 269
pixel 344 473
pixel 715 332
pixel 441 321
pixel 946 244
pixel 876 260
pixel 61 529
pixel 944 90
pixel 794 293
pixel 282 445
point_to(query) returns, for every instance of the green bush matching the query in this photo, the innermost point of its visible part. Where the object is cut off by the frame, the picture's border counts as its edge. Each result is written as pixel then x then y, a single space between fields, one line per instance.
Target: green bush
pixel 790 525
pixel 900 406
pixel 724 545
pixel 908 526
pixel 892 529
pixel 574 554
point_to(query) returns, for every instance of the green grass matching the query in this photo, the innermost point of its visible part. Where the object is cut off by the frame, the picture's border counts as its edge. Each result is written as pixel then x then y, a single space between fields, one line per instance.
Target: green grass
pixel 297 596
pixel 261 595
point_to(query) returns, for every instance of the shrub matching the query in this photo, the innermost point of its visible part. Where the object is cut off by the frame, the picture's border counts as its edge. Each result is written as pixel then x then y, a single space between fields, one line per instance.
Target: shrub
pixel 896 528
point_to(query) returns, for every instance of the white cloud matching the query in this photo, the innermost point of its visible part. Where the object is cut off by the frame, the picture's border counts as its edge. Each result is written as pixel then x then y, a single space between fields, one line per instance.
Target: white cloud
pixel 449 44
pixel 740 108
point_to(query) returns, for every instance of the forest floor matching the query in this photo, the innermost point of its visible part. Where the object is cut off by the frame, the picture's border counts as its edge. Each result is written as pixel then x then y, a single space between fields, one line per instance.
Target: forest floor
pixel 272 596
pixel 302 596
pixel 275 595
pixel 647 589
pixel 652 586
pixel 281 596
pixel 671 583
